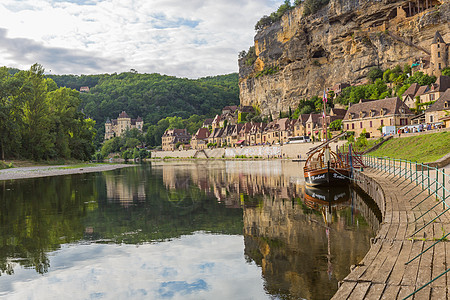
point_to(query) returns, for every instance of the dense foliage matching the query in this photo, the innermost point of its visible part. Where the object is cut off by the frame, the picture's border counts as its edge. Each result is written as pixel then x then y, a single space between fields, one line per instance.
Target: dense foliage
pixel 152 96
pixel 38 120
pixel 397 77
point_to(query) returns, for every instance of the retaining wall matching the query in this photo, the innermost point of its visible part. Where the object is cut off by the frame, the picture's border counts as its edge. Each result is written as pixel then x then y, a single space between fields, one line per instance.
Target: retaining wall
pixel 298 150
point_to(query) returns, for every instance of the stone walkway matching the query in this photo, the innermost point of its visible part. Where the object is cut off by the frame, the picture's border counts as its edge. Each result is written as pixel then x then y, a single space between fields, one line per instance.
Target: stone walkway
pixel 382 274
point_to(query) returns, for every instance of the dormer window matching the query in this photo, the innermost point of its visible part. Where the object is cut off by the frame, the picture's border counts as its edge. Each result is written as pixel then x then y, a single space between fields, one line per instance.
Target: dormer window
pixel 402 110
pixel 361 114
pixel 446 104
pixel 372 113
pixel 350 116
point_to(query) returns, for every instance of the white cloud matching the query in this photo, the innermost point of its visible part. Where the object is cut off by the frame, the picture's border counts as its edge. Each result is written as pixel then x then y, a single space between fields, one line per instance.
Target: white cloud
pixel 201 266
pixel 183 38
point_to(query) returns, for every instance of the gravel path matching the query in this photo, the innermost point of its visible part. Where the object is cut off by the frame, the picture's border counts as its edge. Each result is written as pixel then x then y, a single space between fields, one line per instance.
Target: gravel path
pixel 32 172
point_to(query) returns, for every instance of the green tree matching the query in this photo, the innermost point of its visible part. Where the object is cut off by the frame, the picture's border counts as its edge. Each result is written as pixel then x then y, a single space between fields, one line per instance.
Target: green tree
pixel 374 74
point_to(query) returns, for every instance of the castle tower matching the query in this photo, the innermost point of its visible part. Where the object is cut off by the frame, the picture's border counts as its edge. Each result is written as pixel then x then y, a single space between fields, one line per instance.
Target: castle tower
pixel 109 133
pixel 123 123
pixel 439 55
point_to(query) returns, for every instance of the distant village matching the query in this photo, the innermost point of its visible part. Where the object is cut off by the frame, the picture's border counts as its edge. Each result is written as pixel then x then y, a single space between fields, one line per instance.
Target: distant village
pixel 373 117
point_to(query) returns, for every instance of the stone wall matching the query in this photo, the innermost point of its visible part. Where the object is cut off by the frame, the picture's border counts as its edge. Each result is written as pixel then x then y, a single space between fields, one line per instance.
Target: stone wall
pixel 291 151
pixel 373 189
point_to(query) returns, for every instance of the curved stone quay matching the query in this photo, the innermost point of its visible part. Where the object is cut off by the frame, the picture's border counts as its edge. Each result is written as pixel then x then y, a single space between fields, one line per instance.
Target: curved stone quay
pixel 385 272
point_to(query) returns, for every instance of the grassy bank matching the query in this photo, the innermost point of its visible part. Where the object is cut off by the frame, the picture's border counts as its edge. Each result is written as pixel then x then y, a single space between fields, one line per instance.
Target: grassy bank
pixel 422 148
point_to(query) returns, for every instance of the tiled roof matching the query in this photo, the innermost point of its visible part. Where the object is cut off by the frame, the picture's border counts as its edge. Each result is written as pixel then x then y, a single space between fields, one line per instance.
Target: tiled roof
pixel 422 90
pixel 201 134
pixel 303 118
pixel 441 85
pixel 314 118
pixel 123 114
pixel 338 112
pixel 412 90
pixel 439 105
pixel 390 106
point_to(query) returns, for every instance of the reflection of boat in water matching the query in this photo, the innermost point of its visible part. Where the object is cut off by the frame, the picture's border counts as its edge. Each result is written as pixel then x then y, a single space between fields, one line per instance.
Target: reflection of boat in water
pixel 326 196
pixel 323 199
pixel 324 168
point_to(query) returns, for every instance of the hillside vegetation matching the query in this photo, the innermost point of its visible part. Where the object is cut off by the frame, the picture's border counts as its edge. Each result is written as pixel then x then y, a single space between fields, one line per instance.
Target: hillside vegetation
pixel 422 148
pixel 151 96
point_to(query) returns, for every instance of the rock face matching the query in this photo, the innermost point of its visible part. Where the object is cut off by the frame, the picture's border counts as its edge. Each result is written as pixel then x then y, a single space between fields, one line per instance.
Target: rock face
pixel 338 44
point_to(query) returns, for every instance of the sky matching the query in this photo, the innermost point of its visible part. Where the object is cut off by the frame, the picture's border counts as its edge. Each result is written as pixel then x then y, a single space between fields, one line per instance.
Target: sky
pixel 183 38
pixel 199 266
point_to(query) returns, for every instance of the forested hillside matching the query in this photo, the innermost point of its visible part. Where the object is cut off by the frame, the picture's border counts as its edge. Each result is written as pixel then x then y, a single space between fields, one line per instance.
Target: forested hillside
pixel 151 96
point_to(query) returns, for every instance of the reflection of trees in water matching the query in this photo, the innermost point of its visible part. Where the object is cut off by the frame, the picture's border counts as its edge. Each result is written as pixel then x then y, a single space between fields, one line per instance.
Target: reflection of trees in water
pixel 38 215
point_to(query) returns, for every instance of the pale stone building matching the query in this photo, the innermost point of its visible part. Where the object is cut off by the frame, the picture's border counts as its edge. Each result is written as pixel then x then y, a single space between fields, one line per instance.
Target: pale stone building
pixel 372 115
pixel 116 127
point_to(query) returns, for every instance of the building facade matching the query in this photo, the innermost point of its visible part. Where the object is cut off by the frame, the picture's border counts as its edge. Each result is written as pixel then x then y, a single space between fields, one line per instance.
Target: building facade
pixel 372 115
pixel 116 127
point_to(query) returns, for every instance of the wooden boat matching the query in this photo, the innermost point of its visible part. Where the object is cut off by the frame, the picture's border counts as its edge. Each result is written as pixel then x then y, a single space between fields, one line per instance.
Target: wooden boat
pixel 324 168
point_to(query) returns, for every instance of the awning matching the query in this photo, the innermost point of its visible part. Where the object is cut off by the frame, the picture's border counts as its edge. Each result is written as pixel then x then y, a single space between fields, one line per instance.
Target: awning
pixel 240 142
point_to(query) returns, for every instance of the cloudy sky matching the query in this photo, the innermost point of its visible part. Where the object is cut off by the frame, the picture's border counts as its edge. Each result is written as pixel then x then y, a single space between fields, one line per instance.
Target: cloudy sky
pixel 200 266
pixel 185 38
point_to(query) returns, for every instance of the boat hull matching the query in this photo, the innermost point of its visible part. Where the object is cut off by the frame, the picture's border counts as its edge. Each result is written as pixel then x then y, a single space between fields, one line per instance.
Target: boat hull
pixel 327 177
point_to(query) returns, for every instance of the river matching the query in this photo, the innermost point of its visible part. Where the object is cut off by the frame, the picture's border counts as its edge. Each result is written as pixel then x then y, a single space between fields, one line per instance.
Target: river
pixel 180 230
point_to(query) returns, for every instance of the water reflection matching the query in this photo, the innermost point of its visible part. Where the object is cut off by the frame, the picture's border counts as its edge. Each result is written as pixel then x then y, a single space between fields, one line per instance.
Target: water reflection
pixel 302 244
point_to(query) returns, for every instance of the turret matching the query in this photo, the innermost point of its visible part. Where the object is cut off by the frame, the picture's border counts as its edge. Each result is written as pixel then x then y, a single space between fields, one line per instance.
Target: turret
pixel 439 54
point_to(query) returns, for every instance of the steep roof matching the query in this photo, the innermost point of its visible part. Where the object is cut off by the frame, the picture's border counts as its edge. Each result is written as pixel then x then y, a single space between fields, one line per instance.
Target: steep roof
pixel 439 105
pixel 422 90
pixel 303 118
pixel 338 112
pixel 390 106
pixel 201 134
pixel 314 118
pixel 412 90
pixel 123 114
pixel 441 85
pixel 437 38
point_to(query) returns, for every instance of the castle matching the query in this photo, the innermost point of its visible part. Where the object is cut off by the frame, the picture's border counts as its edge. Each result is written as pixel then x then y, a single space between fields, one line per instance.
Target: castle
pixel 116 127
pixel 438 58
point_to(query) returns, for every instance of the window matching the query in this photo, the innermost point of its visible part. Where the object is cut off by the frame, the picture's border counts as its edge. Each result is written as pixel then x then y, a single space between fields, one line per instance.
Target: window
pixel 347 126
pixel 382 123
pixel 370 124
pixel 360 124
pixel 431 119
pixel 431 97
pixel 353 125
pixel 440 66
pixel 439 54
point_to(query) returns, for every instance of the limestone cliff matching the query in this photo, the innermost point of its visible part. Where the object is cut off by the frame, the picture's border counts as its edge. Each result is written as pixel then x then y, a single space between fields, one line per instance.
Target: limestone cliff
pixel 340 43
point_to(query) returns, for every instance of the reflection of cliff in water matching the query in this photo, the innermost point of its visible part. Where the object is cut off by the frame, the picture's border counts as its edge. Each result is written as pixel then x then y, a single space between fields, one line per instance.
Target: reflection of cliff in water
pixel 304 250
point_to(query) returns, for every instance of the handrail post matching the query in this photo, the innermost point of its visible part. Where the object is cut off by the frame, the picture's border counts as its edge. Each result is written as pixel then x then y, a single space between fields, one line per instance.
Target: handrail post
pixel 443 187
pixel 428 174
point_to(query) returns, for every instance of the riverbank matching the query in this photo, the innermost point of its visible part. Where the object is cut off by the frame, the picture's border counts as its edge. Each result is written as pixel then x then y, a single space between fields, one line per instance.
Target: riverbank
pixel 44 171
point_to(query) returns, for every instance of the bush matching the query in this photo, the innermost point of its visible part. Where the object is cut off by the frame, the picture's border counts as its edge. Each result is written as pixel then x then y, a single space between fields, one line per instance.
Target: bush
pixel 97 156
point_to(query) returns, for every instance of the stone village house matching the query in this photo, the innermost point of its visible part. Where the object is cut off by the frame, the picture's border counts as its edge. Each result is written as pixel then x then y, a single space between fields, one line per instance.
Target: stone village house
pixel 173 136
pixel 372 115
pixel 439 110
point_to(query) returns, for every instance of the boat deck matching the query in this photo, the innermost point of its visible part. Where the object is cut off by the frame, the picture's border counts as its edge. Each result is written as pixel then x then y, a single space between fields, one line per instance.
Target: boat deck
pixel 383 274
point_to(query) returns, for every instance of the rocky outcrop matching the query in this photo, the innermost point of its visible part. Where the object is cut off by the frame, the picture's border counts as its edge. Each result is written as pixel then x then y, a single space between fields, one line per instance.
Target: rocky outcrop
pixel 340 43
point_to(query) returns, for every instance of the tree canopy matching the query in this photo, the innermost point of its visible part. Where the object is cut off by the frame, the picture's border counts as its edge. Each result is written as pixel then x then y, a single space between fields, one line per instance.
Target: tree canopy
pixel 38 120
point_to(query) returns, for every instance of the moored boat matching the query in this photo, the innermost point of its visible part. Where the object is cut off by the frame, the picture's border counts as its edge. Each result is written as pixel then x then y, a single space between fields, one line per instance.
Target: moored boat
pixel 324 168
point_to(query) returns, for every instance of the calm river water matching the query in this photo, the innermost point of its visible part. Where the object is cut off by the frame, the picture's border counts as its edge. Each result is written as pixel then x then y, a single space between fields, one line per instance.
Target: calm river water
pixel 180 230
